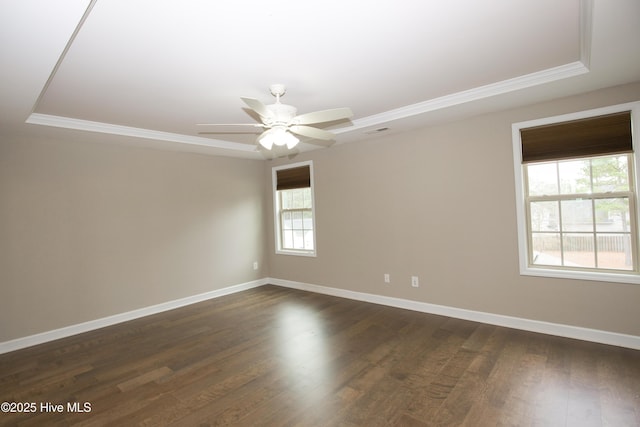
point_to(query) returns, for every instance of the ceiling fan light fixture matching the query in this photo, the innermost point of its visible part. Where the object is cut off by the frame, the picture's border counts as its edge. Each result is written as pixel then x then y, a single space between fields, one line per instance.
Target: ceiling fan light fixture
pixel 266 141
pixel 292 141
pixel 278 136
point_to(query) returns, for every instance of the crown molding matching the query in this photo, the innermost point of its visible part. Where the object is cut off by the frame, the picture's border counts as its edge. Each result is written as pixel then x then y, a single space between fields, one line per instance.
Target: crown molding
pixel 522 82
pixel 517 83
pixel 90 126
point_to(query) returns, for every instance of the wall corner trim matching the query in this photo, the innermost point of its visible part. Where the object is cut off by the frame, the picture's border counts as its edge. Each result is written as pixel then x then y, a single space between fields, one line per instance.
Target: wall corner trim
pixel 567 331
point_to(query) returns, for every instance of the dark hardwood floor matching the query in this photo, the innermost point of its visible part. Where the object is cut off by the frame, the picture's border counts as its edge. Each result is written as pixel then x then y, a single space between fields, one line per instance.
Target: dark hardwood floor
pixel 279 357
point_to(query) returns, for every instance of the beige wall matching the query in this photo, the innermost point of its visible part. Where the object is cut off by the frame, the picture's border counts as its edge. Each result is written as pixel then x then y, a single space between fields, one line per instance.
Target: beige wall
pixel 439 203
pixel 90 230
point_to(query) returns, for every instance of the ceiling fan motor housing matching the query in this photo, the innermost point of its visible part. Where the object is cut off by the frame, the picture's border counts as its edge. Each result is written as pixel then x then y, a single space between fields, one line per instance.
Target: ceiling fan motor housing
pixel 282 113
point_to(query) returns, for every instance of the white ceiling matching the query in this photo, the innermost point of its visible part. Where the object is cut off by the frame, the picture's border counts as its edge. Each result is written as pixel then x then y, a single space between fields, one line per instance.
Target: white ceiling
pixel 152 69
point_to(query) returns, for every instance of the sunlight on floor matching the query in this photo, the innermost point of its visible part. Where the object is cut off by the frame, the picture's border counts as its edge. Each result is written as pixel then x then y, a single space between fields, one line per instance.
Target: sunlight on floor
pixel 302 345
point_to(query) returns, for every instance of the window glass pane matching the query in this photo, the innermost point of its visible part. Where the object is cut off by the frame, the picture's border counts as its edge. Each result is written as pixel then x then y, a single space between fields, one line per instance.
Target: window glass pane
pixel 614 251
pixel 298 199
pixel 307 220
pixel 285 198
pixel 543 179
pixel 307 198
pixel 575 176
pixel 287 237
pixel 297 220
pixel 544 216
pixel 610 173
pixel 306 194
pixel 579 250
pixel 612 214
pixel 546 249
pixel 286 220
pixel 298 239
pixel 577 215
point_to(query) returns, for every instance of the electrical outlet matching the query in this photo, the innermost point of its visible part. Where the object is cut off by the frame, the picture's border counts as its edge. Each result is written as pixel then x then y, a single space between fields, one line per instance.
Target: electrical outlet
pixel 415 282
pixel 255 265
pixel 387 278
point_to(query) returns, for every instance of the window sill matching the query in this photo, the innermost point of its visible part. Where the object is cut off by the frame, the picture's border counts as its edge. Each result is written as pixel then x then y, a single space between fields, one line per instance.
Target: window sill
pixel 630 277
pixel 296 253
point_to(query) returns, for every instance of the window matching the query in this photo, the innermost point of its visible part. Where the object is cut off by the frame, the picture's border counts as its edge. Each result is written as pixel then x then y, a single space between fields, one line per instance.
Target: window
pixel 579 213
pixel 577 195
pixel 294 209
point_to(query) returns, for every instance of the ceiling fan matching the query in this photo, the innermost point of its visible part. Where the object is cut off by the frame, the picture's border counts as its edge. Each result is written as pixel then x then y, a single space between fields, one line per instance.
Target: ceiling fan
pixel 281 124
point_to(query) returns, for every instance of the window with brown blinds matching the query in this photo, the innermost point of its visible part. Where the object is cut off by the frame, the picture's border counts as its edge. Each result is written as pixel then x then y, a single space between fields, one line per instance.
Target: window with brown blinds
pixel 577 194
pixel 294 214
pixel 593 136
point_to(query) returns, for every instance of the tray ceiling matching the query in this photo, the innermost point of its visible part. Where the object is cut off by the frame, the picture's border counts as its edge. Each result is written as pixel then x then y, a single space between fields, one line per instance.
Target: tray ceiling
pixel 152 69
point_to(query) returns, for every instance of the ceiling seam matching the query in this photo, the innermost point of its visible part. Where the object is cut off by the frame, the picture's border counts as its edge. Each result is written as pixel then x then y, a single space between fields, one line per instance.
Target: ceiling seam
pixel 586 30
pixel 84 17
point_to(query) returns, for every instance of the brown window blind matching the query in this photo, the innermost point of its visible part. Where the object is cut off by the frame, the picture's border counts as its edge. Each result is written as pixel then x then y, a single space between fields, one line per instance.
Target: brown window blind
pixel 608 134
pixel 290 178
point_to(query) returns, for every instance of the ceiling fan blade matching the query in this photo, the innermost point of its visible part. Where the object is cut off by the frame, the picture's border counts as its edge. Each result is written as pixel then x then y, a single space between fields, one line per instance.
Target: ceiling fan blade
pixel 258 107
pixel 323 116
pixel 232 132
pixel 312 132
pixel 230 128
pixel 238 141
pixel 320 142
pixel 255 125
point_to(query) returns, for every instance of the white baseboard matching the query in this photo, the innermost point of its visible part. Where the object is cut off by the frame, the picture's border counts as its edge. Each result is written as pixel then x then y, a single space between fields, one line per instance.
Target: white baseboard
pixel 79 328
pixel 594 335
pixel 585 334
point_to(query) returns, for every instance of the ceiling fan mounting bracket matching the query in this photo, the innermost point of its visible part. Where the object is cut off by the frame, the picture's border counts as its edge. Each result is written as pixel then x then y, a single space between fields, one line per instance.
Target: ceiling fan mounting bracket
pixel 277 90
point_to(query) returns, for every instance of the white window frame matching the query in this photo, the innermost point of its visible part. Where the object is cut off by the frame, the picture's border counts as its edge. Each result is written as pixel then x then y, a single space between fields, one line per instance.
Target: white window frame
pixel 276 212
pixel 521 217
